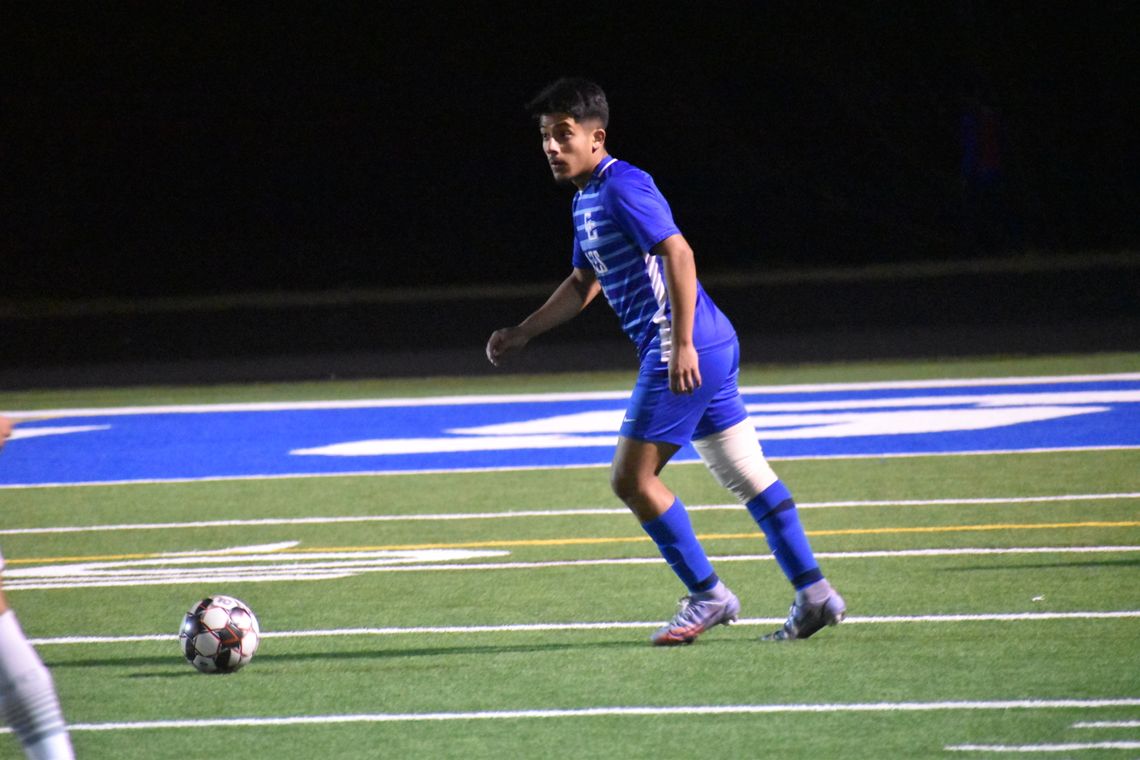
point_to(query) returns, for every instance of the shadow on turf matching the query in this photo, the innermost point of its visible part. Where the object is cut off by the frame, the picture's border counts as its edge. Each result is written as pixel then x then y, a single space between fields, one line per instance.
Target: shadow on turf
pixel 381 654
pixel 131 662
pixel 445 651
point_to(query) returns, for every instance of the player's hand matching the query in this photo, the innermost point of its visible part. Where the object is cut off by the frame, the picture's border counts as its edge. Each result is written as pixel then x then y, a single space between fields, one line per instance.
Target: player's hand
pixel 504 342
pixel 684 370
pixel 5 430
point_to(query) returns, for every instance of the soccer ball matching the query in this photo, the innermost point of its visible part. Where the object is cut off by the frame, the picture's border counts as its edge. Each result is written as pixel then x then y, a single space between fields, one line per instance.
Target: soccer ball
pixel 219 635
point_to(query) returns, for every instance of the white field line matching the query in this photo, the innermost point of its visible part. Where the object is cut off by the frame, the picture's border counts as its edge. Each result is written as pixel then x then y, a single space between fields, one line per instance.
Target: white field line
pixel 1051 748
pixel 509 514
pixel 311 571
pixel 277 406
pixel 1014 617
pixel 530 468
pixel 1106 724
pixel 621 711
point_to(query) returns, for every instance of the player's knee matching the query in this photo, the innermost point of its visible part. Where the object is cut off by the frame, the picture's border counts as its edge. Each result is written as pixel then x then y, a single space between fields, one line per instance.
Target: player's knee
pixel 736 460
pixel 625 485
pixel 633 486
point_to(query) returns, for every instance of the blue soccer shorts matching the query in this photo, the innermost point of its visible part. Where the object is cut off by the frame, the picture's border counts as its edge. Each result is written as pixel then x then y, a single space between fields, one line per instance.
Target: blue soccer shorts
pixel 658 415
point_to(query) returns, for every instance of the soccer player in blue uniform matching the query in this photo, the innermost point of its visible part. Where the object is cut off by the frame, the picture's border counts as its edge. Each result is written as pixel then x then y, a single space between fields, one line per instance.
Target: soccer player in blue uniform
pixel 28 700
pixel 627 247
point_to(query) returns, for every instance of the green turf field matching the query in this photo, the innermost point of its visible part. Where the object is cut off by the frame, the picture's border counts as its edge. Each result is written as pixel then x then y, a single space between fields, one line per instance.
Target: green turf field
pixel 964 644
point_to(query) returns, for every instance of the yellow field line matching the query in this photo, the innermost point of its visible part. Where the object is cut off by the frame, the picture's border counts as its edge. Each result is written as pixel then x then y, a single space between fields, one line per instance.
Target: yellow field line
pixel 725 536
pixel 611 540
pixel 953 528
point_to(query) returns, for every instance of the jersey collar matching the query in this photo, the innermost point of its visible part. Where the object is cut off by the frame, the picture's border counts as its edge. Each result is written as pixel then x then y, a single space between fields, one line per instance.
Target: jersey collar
pixel 599 170
pixel 602 166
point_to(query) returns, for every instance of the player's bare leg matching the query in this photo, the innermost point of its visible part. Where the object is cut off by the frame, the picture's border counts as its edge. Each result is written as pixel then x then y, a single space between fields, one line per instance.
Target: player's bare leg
pixel 635 479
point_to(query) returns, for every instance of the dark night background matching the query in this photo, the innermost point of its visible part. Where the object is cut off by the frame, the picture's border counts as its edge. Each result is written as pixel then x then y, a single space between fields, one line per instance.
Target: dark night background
pixel 208 150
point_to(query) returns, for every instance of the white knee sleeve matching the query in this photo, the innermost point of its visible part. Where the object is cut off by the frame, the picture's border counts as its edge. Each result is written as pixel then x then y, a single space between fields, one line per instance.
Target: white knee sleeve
pixel 736 460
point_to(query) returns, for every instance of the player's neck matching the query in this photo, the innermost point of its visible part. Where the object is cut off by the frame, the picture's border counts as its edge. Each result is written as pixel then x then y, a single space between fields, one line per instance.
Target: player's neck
pixel 583 179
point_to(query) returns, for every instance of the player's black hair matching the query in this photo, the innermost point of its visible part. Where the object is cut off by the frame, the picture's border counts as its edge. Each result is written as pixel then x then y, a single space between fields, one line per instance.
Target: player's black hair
pixel 578 97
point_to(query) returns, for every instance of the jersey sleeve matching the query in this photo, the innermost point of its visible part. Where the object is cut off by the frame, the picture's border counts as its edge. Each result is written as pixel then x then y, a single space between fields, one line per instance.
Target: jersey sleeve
pixel 577 258
pixel 641 210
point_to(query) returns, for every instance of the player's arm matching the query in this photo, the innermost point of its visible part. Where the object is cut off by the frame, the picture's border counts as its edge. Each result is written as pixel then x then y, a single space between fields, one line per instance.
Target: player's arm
pixel 5 430
pixel 681 279
pixel 565 303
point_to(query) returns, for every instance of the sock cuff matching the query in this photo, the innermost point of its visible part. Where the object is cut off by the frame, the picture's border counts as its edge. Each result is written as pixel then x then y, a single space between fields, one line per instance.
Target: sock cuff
pixel 666 527
pixel 807 578
pixel 774 498
pixel 708 584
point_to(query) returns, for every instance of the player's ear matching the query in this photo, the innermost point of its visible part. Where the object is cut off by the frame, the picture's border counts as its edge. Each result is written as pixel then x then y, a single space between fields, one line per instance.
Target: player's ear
pixel 599 138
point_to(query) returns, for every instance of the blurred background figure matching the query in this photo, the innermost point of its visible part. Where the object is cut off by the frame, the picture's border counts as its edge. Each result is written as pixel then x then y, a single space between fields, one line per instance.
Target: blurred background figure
pixel 987 223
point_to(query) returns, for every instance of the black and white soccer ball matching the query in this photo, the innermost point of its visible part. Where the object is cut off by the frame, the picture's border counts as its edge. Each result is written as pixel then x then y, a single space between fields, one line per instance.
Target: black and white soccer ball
pixel 219 635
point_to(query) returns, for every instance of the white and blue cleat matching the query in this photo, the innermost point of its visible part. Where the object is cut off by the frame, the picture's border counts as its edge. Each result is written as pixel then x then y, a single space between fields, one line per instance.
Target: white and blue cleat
pixel 805 619
pixel 696 614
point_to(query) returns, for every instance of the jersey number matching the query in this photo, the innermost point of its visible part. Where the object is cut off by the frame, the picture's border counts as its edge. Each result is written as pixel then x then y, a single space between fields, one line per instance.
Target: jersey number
pixel 596 262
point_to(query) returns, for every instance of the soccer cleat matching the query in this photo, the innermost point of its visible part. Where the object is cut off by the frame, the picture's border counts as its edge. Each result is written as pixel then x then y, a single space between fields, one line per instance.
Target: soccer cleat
pixel 806 619
pixel 696 614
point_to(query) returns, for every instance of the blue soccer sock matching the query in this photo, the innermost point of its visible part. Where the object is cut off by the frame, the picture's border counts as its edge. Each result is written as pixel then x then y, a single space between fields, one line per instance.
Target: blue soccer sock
pixel 673 534
pixel 775 513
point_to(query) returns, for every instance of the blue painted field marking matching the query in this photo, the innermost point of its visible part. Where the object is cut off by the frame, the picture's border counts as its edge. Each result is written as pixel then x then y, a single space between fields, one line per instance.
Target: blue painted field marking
pixel 555 430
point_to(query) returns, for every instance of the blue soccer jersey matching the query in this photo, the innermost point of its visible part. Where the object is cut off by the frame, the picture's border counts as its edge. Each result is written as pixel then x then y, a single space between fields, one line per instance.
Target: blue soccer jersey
pixel 618 217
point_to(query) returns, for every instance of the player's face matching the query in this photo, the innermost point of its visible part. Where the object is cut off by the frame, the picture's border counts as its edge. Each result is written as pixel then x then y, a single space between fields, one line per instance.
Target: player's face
pixel 572 149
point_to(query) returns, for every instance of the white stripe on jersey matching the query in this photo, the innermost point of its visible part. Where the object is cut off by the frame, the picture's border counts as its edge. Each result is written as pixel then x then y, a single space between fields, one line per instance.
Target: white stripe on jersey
pixel 661 293
pixel 621 267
